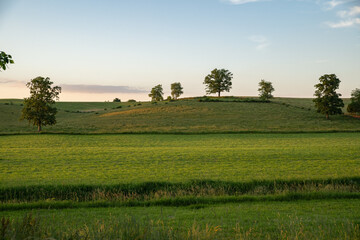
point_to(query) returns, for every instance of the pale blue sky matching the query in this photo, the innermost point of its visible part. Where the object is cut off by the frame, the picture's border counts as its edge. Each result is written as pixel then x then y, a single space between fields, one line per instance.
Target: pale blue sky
pixel 139 44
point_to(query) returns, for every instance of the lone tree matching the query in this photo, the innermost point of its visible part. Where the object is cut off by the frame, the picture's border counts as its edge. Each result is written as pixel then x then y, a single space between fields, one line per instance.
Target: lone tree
pixel 156 93
pixel 354 106
pixel 38 108
pixel 5 59
pixel 327 101
pixel 218 80
pixel 265 90
pixel 116 100
pixel 176 90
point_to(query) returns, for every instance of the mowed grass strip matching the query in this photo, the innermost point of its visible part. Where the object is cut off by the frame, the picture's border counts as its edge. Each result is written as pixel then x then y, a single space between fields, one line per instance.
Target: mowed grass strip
pixel 115 159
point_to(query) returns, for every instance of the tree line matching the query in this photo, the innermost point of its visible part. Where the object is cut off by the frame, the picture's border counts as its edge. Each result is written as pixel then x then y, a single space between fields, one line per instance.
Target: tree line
pixel 39 110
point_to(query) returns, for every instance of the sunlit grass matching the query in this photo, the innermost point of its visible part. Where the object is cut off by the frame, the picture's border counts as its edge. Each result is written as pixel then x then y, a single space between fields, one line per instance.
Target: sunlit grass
pixel 112 159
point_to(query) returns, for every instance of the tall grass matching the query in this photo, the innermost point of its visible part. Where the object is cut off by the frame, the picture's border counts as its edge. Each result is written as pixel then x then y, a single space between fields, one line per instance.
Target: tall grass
pixel 159 190
pixel 31 227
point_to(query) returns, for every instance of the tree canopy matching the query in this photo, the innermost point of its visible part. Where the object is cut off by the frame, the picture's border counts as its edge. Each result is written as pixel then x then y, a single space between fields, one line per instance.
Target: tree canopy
pixel 219 80
pixel 38 108
pixel 156 93
pixel 176 90
pixel 327 101
pixel 354 106
pixel 265 90
pixel 5 59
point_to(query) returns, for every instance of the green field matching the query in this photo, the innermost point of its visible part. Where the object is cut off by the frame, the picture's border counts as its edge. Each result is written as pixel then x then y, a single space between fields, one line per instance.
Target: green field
pixel 327 219
pixel 223 170
pixel 184 116
pixel 111 159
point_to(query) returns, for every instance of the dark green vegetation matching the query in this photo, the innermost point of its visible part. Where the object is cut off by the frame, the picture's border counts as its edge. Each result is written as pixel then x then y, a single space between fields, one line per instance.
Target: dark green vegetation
pixel 265 90
pixel 183 116
pixel 38 108
pixel 156 93
pixel 354 105
pixel 5 60
pixel 219 80
pixel 327 100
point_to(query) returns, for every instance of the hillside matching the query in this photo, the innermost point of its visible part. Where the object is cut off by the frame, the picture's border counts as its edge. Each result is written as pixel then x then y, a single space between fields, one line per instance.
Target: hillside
pixel 183 116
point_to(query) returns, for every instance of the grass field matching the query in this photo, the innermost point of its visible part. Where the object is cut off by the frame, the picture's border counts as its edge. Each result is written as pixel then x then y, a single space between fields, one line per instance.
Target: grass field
pixel 259 177
pixel 185 116
pixel 328 219
pixel 111 159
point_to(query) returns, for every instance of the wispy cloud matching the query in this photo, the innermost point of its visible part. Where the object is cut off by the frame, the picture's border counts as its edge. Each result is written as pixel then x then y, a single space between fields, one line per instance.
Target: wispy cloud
pixel 344 23
pixel 78 88
pixel 353 11
pixel 333 3
pixel 348 18
pixel 99 89
pixel 239 2
pixel 261 41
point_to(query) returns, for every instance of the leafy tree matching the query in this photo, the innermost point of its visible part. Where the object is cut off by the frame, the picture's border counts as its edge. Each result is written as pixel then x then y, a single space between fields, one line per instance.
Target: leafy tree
pixel 38 108
pixel 218 80
pixel 354 106
pixel 265 90
pixel 156 93
pixel 116 100
pixel 327 101
pixel 5 59
pixel 176 90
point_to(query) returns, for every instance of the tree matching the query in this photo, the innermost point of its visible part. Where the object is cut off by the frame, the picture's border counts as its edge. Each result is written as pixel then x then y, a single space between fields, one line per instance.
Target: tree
pixel 116 100
pixel 5 60
pixel 38 108
pixel 327 101
pixel 354 106
pixel 176 90
pixel 217 81
pixel 156 93
pixel 265 90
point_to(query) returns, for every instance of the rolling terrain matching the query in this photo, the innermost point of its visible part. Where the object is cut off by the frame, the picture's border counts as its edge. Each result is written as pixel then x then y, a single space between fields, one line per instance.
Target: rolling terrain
pixel 235 169
pixel 183 116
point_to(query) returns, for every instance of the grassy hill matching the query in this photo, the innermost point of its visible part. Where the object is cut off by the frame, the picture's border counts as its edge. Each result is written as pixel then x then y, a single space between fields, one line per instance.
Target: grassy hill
pixel 183 116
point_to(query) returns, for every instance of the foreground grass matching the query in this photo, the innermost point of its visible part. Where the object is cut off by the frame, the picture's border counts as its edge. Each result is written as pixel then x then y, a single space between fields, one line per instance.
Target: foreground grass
pixel 114 159
pixel 326 219
pixel 183 116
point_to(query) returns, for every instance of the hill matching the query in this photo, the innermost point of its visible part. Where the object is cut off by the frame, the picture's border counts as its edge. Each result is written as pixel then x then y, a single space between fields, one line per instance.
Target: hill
pixel 231 114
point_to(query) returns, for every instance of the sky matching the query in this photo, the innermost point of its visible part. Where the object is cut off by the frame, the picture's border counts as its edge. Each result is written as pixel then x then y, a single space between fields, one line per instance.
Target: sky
pixel 99 50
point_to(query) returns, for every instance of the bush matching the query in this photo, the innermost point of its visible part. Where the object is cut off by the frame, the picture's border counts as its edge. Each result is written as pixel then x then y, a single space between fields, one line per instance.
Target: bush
pixel 131 100
pixel 354 107
pixel 116 100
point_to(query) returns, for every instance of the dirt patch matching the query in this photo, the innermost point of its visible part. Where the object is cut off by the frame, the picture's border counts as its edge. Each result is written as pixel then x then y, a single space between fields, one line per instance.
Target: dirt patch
pixel 152 110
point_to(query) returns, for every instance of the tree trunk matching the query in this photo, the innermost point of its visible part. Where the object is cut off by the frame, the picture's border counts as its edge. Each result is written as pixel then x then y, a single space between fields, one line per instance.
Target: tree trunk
pixel 39 128
pixel 327 116
pixel 218 93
